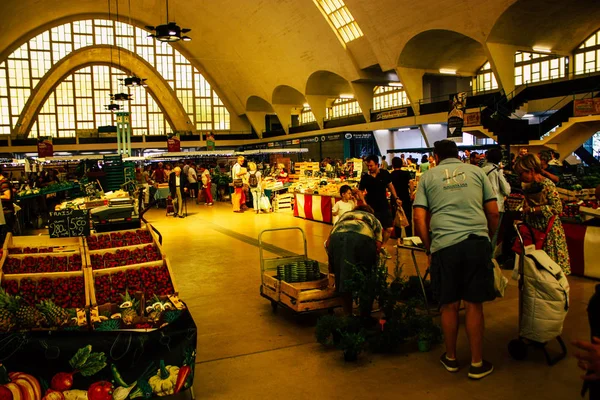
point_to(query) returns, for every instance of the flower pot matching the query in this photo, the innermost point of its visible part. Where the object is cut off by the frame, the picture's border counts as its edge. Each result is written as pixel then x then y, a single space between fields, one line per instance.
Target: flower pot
pixel 424 345
pixel 350 355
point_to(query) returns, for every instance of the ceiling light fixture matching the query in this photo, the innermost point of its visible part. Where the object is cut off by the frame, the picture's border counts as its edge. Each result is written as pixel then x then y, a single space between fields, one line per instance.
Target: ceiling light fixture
pixel 528 116
pixel 346 96
pixel 120 97
pixel 134 81
pixel 542 50
pixel 306 105
pixel 395 84
pixel 404 129
pixel 112 107
pixel 447 71
pixel 169 32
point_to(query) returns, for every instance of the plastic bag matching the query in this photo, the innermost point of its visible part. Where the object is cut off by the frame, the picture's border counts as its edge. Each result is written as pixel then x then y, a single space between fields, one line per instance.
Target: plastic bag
pixel 500 281
pixel 400 219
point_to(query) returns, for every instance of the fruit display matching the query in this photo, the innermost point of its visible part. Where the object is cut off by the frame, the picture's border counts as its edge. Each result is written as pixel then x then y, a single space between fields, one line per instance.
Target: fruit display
pixel 124 257
pixel 41 303
pixel 42 264
pixel 119 239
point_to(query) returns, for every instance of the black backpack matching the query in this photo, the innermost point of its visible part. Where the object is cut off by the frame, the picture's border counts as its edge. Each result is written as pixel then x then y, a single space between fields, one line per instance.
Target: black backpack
pixel 253 180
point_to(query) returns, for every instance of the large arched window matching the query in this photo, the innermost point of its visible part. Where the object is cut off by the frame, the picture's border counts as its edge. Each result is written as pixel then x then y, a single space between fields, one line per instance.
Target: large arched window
pixel 385 97
pixel 307 116
pixel 485 79
pixel 537 67
pixel 587 56
pixel 341 18
pixel 26 66
pixel 343 107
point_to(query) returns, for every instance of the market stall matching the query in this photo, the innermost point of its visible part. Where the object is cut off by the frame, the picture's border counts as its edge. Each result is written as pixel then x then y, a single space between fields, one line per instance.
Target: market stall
pixel 315 198
pixel 94 318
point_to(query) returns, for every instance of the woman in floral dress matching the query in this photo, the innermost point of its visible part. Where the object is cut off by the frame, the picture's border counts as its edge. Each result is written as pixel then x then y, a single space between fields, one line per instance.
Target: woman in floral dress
pixel 542 202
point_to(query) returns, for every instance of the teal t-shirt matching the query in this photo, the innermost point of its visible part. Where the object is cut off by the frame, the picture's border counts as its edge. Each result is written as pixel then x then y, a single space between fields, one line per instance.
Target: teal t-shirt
pixel 454 194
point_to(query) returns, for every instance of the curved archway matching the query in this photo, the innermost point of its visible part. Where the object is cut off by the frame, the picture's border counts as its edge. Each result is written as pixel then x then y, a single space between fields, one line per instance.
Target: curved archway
pixel 284 94
pixel 445 49
pixel 557 25
pixel 326 83
pixel 258 104
pixel 163 94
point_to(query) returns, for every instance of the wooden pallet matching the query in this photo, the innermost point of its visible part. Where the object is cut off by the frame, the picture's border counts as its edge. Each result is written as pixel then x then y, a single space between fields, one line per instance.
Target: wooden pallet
pixel 303 296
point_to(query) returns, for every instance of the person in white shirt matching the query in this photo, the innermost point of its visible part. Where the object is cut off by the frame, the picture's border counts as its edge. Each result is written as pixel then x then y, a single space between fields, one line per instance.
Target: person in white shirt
pixel 206 185
pixel 347 203
pixel 499 184
pixel 192 177
pixel 237 174
pixel 177 187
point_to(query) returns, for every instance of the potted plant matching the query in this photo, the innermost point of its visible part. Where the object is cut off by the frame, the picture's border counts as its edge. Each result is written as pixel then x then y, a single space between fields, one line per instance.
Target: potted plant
pixel 352 344
pixel 329 328
pixel 424 339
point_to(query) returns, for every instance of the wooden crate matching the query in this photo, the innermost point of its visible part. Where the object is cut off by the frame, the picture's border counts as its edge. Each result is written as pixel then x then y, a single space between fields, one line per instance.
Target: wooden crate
pixel 574 195
pixel 147 227
pixel 302 296
pixel 114 250
pixel 58 245
pixel 93 273
pixel 81 311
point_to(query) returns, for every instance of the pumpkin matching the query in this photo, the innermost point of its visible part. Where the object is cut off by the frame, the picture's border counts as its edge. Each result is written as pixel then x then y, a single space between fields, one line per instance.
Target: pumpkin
pixel 21 385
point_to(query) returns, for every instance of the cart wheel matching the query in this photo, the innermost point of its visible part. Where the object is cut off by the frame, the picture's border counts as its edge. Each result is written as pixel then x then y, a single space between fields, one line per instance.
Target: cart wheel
pixel 274 306
pixel 517 349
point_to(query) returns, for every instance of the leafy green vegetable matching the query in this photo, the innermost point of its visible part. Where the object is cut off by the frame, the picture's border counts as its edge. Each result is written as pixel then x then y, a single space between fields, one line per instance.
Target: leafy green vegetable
pixel 94 364
pixel 80 357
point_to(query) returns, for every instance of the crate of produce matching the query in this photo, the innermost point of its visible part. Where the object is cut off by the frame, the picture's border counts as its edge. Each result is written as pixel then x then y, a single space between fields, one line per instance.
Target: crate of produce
pixel 140 255
pixel 282 201
pixel 41 244
pixel 125 238
pixel 33 263
pixel 133 296
pixel 52 301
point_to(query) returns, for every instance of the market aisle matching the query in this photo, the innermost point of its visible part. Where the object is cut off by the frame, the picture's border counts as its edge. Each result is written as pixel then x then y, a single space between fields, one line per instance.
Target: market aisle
pixel 245 351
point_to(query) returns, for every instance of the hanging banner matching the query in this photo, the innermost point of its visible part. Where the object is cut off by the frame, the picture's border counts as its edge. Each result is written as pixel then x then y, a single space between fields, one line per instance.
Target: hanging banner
pixel 473 119
pixel 402 112
pixel 456 116
pixel 210 142
pixel 173 143
pixel 45 147
pixel 585 107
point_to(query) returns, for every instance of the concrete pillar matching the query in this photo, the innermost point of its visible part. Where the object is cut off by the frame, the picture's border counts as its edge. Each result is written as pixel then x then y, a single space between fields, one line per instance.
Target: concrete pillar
pixel 502 59
pixel 318 104
pixel 364 95
pixel 434 132
pixel 412 79
pixel 257 120
pixel 385 141
pixel 284 113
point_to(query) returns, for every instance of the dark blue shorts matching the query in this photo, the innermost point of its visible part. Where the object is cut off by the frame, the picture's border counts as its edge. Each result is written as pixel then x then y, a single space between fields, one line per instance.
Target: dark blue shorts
pixel 463 271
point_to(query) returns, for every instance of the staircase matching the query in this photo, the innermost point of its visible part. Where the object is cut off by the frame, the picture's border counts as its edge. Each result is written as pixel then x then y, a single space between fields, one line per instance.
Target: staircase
pixel 586 156
pixel 115 176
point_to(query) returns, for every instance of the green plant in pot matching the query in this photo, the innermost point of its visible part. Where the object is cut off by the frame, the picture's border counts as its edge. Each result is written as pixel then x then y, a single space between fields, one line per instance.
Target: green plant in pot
pixel 329 328
pixel 352 344
pixel 425 338
pixel 367 284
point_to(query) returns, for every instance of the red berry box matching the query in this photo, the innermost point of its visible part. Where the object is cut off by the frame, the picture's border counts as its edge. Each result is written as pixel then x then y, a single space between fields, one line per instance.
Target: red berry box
pixel 67 290
pixel 122 257
pixel 33 264
pixel 119 239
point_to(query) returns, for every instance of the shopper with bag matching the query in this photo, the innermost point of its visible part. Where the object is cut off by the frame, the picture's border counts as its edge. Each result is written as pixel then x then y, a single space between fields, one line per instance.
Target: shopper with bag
pixel 456 202
pixel 501 186
pixel 237 174
pixel 402 181
pixel 255 185
pixel 541 210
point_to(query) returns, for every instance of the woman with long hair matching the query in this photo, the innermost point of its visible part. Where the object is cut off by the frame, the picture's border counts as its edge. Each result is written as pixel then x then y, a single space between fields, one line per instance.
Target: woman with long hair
pixel 542 207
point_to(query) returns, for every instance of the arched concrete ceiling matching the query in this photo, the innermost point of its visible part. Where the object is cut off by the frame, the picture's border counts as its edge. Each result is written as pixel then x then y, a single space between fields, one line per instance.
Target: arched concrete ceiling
pixel 258 104
pixel 556 24
pixel 162 92
pixel 284 94
pixel 439 48
pixel 326 83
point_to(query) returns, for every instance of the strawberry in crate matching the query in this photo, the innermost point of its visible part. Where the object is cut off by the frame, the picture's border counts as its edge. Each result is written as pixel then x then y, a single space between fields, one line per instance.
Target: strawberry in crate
pixel 97 261
pixel 60 264
pixel 77 288
pixel 11 287
pixel 13 265
pixel 164 286
pixel 134 280
pixel 144 235
pixel 45 250
pixel 152 253
pixel 75 262
pixel 45 264
pixel 27 289
pixel 29 265
pixel 102 288
pixel 139 256
pixel 30 250
pixel 123 257
pixel 118 285
pixel 15 250
pixel 44 289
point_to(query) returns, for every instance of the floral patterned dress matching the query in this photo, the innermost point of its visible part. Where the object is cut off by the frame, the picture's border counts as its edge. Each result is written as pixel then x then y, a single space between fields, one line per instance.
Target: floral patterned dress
pixel 556 242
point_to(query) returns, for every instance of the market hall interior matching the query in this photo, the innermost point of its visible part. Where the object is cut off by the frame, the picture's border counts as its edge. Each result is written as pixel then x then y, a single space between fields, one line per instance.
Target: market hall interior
pixel 245 351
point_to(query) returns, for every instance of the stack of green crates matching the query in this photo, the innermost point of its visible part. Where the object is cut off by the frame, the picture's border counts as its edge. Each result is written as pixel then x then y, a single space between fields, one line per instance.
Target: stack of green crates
pixel 299 271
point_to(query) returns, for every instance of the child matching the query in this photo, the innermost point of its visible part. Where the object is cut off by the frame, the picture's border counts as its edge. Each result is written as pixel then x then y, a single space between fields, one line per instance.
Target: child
pixel 347 203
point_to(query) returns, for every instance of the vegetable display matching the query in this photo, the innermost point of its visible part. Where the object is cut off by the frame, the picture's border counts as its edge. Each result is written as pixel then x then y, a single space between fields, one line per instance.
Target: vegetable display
pixel 165 380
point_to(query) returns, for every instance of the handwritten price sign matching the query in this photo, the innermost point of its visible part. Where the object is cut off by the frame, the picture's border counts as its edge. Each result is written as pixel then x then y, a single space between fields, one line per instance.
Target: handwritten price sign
pixel 69 223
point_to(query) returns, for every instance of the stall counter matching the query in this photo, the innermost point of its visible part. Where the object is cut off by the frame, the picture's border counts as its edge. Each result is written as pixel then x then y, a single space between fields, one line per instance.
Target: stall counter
pixel 314 207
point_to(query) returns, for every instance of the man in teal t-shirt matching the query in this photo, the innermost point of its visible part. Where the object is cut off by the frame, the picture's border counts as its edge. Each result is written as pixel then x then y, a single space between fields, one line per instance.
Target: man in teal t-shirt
pixel 456 202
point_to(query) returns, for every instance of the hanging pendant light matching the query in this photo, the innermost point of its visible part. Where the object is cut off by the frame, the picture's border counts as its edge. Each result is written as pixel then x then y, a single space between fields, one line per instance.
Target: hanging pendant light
pixel 169 32
pixel 132 80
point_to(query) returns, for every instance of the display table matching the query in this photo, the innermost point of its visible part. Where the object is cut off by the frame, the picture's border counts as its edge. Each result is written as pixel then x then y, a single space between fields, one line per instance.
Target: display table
pixel 583 242
pixel 270 192
pixel 136 355
pixel 314 207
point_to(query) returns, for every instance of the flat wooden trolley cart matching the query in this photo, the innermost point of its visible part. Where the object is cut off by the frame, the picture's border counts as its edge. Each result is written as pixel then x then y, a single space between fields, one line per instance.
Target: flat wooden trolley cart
pixel 281 280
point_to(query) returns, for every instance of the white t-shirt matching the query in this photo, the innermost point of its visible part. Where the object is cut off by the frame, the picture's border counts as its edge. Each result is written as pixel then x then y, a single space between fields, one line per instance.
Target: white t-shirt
pixel 191 174
pixel 205 177
pixel 177 181
pixel 342 207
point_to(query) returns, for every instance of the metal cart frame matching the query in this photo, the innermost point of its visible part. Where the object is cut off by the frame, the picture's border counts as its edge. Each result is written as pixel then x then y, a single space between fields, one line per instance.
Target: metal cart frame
pixel 518 347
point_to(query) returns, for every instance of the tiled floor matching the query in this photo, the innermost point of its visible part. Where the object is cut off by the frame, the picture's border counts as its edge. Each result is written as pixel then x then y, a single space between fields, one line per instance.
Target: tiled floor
pixel 247 352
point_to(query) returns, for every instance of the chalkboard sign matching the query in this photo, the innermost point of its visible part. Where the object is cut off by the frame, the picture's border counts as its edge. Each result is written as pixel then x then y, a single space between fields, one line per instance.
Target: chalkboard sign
pixel 69 223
